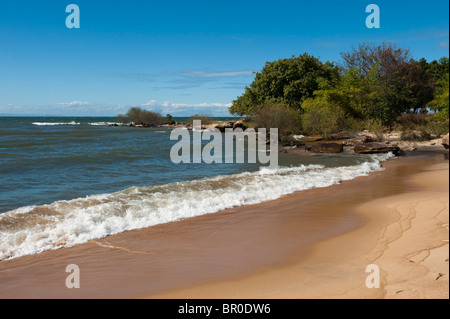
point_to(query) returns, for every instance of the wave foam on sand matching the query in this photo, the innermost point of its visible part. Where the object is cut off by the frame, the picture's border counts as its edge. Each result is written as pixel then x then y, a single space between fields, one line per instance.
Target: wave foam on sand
pixel 34 229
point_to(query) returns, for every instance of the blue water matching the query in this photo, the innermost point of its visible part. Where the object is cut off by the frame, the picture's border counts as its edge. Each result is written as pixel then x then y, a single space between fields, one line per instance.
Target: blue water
pixel 41 164
pixel 73 181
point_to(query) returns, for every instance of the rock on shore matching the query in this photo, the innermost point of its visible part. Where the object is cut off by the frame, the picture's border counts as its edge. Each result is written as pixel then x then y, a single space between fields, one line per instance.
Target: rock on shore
pixel 222 126
pixel 445 141
pixel 377 148
pixel 240 124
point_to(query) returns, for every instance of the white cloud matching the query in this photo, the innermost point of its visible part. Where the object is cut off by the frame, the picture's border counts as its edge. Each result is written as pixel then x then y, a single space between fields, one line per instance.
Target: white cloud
pixel 73 103
pixel 204 74
pixel 79 108
pixel 201 105
pixel 443 45
pixel 187 109
pixel 150 103
pixel 177 105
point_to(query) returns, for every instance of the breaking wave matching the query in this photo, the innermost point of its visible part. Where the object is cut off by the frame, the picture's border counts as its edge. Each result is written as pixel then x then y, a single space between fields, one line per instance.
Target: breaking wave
pixel 33 229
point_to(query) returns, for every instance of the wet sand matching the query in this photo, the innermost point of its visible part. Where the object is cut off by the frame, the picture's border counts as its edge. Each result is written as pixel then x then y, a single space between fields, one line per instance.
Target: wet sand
pixel 310 244
pixel 405 234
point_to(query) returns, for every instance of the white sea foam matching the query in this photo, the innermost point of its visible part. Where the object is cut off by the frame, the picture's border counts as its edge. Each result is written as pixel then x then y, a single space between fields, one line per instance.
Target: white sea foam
pixel 105 123
pixel 75 123
pixel 30 230
pixel 100 123
pixel 55 123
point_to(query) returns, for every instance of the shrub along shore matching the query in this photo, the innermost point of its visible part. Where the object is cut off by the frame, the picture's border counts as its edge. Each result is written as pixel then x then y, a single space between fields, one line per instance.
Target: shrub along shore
pixel 363 142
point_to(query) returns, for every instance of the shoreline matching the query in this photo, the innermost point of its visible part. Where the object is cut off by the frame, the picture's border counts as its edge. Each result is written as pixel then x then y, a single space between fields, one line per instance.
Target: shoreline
pixel 192 258
pixel 397 234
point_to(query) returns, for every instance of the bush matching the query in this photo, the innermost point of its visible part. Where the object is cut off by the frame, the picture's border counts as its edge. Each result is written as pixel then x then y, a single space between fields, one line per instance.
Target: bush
pixel 437 125
pixel 142 117
pixel 287 120
pixel 421 127
pixel 149 119
pixel 415 136
pixel 377 128
pixel 122 119
pixel 197 117
pixel 324 118
pixel 412 120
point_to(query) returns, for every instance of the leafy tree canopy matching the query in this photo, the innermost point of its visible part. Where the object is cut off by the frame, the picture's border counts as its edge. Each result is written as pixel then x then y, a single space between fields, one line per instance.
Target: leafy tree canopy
pixel 287 81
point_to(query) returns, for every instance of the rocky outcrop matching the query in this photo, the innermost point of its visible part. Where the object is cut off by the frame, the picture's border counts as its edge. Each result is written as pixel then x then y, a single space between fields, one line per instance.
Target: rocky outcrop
pixel 445 141
pixel 222 126
pixel 368 139
pixel 349 143
pixel 326 148
pixel 377 148
pixel 290 141
pixel 240 124
pixel 340 136
pixel 308 139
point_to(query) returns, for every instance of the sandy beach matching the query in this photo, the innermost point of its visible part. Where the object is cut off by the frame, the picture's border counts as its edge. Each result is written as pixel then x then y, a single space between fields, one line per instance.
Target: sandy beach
pixel 311 244
pixel 406 235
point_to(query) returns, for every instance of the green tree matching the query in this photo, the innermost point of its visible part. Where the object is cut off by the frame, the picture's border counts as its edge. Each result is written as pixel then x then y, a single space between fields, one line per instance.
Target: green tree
pixel 324 117
pixel 397 84
pixel 440 103
pixel 357 97
pixel 436 70
pixel 409 89
pixel 169 120
pixel 244 104
pixel 402 87
pixel 287 81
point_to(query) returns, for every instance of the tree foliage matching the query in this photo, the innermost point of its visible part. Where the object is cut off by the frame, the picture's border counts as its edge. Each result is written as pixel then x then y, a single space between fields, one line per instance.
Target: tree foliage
pixel 440 103
pixel 327 113
pixel 377 82
pixel 398 84
pixel 287 81
pixel 366 55
pixel 169 120
pixel 436 70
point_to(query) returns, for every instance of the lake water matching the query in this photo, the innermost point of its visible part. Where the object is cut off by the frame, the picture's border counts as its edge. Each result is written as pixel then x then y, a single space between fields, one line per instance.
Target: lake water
pixel 65 181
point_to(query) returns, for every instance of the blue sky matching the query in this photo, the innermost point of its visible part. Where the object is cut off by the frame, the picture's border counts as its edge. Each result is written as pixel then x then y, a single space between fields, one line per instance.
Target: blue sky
pixel 183 57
